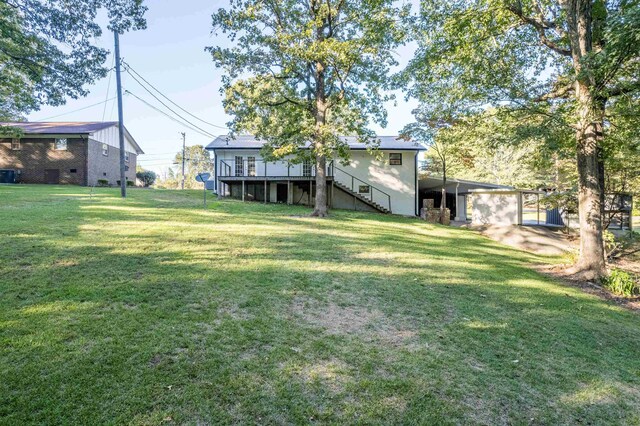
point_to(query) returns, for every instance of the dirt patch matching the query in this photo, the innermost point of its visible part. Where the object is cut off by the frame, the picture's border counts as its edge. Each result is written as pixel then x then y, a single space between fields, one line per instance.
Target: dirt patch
pixel 369 324
pixel 155 361
pixel 561 273
pixel 333 374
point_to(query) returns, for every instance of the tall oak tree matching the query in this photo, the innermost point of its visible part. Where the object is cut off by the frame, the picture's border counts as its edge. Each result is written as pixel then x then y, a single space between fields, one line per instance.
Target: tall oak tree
pixel 300 73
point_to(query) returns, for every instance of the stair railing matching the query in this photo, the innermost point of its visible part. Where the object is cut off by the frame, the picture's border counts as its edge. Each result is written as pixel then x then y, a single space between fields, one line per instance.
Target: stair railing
pixel 375 195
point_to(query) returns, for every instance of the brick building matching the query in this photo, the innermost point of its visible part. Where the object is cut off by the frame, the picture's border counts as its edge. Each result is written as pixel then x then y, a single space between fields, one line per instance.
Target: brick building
pixel 76 153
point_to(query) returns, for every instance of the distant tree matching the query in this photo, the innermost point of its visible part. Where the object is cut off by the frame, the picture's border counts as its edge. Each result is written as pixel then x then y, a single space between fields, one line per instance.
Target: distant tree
pixel 147 177
pixel 439 135
pixel 302 73
pixel 48 52
pixel 197 160
pixel 569 59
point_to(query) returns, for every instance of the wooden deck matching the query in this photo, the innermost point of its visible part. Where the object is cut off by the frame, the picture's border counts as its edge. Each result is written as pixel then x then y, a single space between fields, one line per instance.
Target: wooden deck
pixel 269 178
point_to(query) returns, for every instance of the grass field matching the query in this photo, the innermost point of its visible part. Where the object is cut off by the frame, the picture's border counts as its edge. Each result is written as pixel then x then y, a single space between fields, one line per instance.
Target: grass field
pixel 153 310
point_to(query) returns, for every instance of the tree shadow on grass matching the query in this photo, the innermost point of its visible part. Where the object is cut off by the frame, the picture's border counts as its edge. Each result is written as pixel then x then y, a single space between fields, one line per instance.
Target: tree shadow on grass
pixel 114 315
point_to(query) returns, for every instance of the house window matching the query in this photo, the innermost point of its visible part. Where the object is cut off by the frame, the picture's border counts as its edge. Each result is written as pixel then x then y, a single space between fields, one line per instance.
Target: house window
pixel 60 145
pixel 73 171
pixel 126 168
pixel 364 189
pixel 105 149
pixel 395 159
pixel 239 166
pixel 126 156
pixel 251 166
pixel 15 144
pixel 306 168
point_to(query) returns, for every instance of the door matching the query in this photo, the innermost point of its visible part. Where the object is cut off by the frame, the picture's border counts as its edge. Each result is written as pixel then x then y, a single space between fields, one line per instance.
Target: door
pixel 282 193
pixel 52 176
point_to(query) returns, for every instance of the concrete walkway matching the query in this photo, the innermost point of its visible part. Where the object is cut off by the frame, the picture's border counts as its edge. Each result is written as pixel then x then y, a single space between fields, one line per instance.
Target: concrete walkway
pixel 535 239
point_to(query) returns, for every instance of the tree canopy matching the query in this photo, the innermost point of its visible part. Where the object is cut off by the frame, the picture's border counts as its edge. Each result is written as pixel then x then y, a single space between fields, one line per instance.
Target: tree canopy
pixel 48 51
pixel 302 73
pixel 570 62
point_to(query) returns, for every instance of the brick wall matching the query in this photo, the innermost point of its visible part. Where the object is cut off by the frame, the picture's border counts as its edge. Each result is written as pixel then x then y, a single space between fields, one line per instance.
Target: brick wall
pixel 38 154
pixel 107 167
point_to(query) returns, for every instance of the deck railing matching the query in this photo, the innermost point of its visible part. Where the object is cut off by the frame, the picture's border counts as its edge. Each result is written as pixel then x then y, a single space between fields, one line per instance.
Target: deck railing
pixel 261 168
pixel 285 169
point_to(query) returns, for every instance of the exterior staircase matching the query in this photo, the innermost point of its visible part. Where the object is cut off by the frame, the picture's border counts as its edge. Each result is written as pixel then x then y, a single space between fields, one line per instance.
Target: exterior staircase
pixel 360 197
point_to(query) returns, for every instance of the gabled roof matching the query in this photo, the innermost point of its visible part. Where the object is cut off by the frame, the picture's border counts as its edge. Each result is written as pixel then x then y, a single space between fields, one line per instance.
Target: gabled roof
pixel 250 142
pixel 67 128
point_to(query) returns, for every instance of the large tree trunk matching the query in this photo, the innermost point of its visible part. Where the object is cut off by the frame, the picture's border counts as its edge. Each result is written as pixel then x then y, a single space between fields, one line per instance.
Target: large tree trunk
pixel 591 263
pixel 320 209
pixel 589 134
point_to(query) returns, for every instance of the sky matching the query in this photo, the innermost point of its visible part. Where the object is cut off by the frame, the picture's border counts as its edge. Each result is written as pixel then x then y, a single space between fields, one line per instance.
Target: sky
pixel 170 55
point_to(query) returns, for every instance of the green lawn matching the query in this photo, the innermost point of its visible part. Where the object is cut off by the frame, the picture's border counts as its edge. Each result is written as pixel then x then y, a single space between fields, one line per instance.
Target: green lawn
pixel 152 310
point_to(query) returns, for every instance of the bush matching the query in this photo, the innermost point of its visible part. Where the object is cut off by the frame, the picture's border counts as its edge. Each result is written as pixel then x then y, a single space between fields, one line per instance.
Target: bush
pixel 130 183
pixel 621 283
pixel 147 177
pixel 103 182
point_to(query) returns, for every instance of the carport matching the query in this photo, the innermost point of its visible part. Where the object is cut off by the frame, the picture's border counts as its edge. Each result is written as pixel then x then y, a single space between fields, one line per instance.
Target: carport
pixel 507 207
pixel 458 192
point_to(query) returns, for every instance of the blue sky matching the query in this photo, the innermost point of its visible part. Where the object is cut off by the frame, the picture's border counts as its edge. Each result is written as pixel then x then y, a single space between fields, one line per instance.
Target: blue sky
pixel 170 55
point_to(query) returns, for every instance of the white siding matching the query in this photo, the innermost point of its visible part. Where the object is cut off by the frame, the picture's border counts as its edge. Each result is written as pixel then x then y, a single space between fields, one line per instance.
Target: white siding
pixel 111 138
pixel 397 181
pixel 496 208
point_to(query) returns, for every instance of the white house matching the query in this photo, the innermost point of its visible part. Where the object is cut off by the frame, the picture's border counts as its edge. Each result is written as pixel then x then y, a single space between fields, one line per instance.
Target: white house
pixel 386 183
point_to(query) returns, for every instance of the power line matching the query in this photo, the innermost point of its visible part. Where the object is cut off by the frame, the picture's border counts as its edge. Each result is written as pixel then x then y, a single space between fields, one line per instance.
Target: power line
pixel 130 68
pixel 169 108
pixel 203 133
pixel 104 110
pixel 76 110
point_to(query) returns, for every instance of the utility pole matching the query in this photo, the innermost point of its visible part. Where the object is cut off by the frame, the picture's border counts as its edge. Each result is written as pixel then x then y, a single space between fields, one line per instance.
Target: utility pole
pixel 123 176
pixel 184 137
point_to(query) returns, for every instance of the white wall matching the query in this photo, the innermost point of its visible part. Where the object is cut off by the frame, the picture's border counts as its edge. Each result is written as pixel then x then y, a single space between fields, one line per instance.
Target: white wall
pixel 397 181
pixel 496 208
pixel 111 138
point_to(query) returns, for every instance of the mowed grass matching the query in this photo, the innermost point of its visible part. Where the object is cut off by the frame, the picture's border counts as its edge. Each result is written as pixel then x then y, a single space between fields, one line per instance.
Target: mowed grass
pixel 153 310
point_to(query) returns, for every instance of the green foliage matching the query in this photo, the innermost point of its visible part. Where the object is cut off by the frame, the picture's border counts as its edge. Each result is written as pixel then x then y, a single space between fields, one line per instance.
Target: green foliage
pixel 147 177
pixel 103 182
pixel 301 73
pixel 48 52
pixel 197 160
pixel 622 283
pixel 514 56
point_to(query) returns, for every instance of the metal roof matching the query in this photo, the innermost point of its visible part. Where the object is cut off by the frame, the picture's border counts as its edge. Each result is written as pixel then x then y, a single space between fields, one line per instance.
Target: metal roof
pixel 61 128
pixel 250 142
pixel 434 182
pixel 67 128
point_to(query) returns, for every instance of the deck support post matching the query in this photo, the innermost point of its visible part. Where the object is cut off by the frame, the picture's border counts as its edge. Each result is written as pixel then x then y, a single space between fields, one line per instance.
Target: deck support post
pixel 309 194
pixel 265 191
pixel 243 190
pixel 331 195
pixel 289 193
